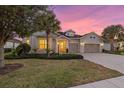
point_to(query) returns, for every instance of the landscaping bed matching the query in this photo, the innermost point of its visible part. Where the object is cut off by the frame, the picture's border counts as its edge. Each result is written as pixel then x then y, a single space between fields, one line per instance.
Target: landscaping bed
pixel 118 52
pixel 114 52
pixel 38 73
pixel 44 56
pixel 9 68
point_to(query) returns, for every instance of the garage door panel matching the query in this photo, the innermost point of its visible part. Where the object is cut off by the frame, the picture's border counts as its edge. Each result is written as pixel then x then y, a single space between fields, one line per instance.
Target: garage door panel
pixel 91 48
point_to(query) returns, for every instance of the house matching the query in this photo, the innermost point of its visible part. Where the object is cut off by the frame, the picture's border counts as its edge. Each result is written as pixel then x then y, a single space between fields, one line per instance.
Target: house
pixel 121 45
pixel 62 42
pixel 118 46
pixel 12 43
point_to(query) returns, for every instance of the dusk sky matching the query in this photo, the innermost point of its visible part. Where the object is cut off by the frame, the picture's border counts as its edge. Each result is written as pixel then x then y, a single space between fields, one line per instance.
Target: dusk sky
pixel 83 19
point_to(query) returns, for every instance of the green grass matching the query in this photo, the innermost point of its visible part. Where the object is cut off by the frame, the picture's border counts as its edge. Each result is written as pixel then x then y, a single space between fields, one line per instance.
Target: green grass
pixel 115 52
pixel 55 73
pixel 118 52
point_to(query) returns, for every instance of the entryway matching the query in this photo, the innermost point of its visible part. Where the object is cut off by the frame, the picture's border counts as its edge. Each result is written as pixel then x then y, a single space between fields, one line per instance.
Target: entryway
pixel 62 46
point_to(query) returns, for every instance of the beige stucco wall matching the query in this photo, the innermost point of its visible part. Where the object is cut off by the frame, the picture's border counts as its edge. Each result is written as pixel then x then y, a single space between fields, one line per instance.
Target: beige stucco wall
pixel 34 43
pixel 76 42
pixel 87 40
pixel 10 45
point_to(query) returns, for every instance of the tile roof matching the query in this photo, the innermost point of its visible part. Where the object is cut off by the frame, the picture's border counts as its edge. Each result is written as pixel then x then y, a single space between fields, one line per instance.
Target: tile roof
pixel 75 36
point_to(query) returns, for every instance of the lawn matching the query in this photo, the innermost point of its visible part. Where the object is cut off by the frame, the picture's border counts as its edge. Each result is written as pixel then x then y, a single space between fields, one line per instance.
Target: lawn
pixel 119 52
pixel 114 52
pixel 55 73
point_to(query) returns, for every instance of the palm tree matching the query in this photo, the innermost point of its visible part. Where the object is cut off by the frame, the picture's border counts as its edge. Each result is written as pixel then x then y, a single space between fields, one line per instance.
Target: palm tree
pixel 110 32
pixel 49 23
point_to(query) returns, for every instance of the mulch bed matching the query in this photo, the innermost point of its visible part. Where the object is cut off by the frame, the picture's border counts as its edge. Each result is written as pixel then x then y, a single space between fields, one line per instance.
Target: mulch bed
pixel 9 68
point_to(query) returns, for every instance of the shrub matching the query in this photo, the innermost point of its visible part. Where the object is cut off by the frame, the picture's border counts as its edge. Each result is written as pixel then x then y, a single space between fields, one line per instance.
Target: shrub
pixel 44 56
pixel 23 49
pixel 14 52
pixel 66 56
pixel 7 50
pixel 106 51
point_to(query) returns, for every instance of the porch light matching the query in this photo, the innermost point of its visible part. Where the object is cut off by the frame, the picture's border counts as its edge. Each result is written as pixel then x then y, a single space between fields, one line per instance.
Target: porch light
pixel 28 41
pixel 101 44
pixel 81 44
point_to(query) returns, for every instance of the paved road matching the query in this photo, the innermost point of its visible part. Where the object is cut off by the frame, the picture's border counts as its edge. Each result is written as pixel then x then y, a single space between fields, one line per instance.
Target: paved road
pixel 112 61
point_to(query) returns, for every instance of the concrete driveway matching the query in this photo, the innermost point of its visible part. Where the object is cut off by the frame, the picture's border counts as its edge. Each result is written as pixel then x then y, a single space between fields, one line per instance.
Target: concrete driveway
pixel 115 62
pixel 112 61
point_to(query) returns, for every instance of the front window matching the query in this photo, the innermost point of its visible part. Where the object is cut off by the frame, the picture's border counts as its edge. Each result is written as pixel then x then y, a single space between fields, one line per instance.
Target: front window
pixel 42 43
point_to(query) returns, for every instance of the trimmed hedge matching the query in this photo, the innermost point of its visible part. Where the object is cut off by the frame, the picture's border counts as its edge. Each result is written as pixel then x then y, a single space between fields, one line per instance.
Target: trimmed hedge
pixel 44 56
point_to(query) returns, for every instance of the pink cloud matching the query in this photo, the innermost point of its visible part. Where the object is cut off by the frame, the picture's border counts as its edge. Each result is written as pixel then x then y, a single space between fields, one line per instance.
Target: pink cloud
pixel 82 26
pixel 84 19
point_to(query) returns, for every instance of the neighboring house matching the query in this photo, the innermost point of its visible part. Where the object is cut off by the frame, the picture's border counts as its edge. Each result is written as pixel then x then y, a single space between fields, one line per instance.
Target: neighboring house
pixel 12 43
pixel 117 46
pixel 64 42
pixel 121 45
pixel 107 46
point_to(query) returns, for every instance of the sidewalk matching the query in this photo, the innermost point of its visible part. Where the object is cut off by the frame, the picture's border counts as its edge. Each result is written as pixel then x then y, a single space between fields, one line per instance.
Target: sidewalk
pixel 108 83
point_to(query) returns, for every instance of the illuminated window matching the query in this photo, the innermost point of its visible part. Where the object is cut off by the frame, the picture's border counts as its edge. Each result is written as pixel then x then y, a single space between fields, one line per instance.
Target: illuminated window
pixel 42 43
pixel 28 41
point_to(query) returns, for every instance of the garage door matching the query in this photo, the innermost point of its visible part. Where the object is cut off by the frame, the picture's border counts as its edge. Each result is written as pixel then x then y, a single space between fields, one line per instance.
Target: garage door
pixel 91 48
pixel 74 47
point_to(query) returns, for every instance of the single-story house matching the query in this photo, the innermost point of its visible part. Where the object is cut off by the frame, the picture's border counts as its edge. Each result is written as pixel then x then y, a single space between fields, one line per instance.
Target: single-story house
pixel 63 42
pixel 13 43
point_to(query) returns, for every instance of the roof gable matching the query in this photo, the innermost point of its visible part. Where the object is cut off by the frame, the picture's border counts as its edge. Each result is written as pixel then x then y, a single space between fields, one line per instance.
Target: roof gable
pixel 64 34
pixel 92 35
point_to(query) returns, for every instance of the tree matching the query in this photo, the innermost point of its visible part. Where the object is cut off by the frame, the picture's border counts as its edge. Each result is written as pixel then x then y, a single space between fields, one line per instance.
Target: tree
pixel 19 20
pixel 49 23
pixel 113 32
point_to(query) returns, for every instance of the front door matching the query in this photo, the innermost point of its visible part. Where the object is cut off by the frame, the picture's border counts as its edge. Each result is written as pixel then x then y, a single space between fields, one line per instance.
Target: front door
pixel 62 46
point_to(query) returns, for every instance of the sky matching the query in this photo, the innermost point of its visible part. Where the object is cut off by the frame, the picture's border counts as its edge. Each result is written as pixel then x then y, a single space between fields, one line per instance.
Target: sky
pixel 89 18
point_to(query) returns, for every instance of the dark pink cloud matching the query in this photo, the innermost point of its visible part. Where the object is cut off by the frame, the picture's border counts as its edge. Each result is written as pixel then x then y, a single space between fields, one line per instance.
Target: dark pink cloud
pixel 84 19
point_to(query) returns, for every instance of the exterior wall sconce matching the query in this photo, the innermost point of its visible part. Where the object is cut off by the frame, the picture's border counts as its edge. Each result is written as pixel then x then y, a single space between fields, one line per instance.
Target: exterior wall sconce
pixel 101 44
pixel 81 44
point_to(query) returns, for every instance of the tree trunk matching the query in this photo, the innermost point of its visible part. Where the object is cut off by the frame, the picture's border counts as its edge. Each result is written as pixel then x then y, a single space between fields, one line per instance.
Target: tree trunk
pixel 112 47
pixel 2 56
pixel 13 50
pixel 47 41
pixel 13 45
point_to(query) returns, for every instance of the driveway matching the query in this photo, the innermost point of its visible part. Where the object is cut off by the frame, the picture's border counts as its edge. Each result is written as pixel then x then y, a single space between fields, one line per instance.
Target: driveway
pixel 115 62
pixel 112 61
